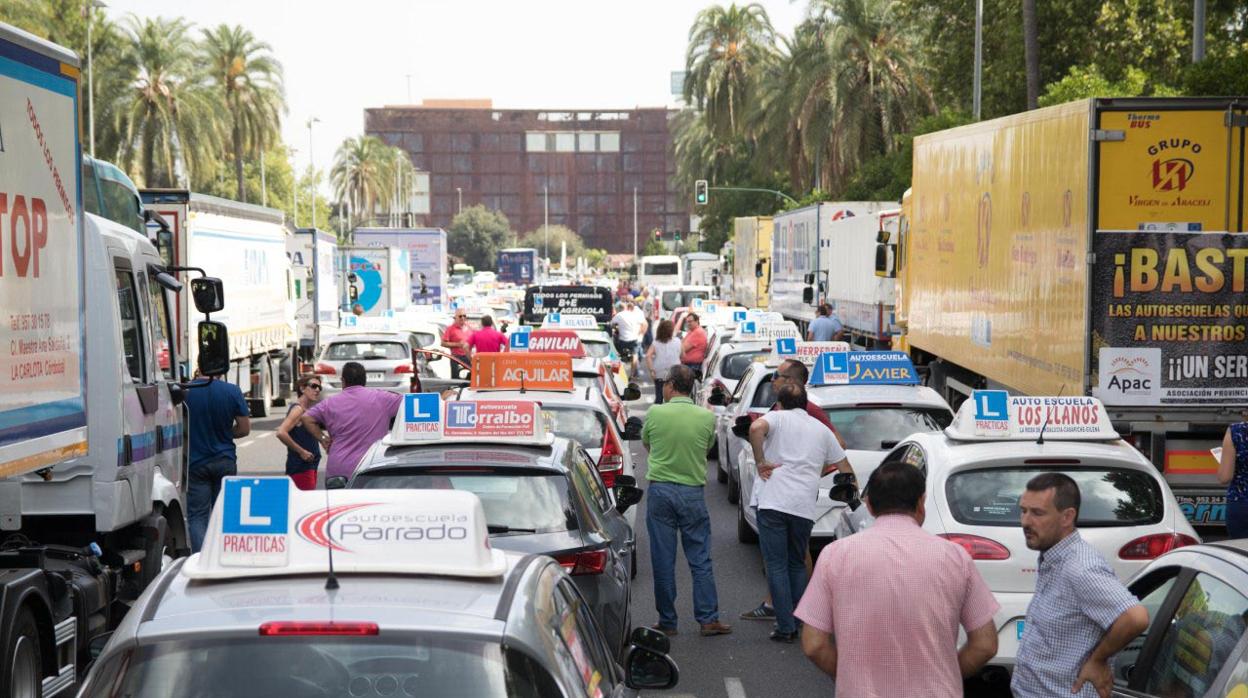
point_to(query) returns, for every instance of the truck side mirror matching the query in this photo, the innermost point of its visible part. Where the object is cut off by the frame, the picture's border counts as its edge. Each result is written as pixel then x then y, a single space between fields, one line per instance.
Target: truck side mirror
pixel 883 268
pixel 214 348
pixel 810 279
pixel 758 269
pixel 808 295
pixel 208 294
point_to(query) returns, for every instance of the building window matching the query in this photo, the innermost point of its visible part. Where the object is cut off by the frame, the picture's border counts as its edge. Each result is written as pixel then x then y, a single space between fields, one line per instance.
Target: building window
pixel 586 142
pixel 565 142
pixel 609 142
pixel 535 142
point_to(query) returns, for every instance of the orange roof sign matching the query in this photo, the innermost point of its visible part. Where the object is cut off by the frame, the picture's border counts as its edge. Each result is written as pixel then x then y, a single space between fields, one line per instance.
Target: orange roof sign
pixel 527 370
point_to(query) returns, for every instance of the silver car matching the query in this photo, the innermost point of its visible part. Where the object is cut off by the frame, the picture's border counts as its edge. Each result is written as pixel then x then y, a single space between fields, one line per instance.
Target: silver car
pixel 386 357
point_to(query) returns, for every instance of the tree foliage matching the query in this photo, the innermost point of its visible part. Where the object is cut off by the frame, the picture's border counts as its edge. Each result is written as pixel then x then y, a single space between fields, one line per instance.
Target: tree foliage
pixel 477 234
pixel 558 235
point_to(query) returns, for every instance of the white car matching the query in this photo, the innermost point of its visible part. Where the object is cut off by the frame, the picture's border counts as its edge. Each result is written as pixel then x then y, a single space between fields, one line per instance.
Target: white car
pixel 974 482
pixel 387 358
pixel 872 415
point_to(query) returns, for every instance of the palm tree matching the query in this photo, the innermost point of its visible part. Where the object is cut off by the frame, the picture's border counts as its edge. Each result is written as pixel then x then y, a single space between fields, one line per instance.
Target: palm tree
pixel 248 81
pixel 165 119
pixel 363 174
pixel 728 47
pixel 877 83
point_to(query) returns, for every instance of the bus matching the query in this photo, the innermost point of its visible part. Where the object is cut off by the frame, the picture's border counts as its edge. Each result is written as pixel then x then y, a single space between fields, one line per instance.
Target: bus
pixel 660 270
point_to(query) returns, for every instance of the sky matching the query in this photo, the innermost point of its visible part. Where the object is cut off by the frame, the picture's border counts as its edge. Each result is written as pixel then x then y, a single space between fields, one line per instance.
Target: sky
pixel 342 56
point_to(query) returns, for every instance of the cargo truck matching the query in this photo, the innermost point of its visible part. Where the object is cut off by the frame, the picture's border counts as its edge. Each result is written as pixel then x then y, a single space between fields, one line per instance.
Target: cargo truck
pixel 245 246
pixel 700 268
pixel 752 261
pixel 92 432
pixel 517 265
pixel 426 251
pixel 377 279
pixel 1089 248
pixel 826 253
pixel 314 265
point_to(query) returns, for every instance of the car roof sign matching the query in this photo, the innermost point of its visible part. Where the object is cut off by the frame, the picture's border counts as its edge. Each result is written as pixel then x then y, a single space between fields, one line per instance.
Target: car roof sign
pixel 557 341
pixel 505 420
pixel 864 368
pixel 569 321
pixel 806 352
pixel 995 415
pixel 518 341
pixel 266 528
pixel 522 371
pixel 751 329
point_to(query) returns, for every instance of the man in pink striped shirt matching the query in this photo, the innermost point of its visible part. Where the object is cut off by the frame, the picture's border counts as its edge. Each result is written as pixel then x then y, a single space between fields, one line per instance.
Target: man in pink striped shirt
pixel 883 609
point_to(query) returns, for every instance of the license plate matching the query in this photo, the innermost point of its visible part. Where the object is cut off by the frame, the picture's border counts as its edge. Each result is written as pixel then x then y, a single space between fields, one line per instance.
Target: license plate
pixel 376 376
pixel 1020 630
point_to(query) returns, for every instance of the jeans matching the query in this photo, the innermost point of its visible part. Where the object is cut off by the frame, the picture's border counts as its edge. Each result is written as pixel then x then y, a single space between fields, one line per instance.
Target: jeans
pixel 457 369
pixel 658 391
pixel 1237 519
pixel 671 508
pixel 783 539
pixel 201 494
pixel 697 370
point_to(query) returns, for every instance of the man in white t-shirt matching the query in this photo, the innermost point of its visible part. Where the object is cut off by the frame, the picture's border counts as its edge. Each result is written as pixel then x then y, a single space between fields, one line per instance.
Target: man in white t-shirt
pixel 630 324
pixel 792 451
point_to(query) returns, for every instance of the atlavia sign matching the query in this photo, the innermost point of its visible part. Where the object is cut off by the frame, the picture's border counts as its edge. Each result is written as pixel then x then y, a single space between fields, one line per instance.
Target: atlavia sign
pixel 559 341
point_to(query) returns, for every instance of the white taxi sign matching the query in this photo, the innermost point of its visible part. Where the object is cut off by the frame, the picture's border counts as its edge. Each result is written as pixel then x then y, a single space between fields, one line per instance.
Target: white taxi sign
pixel 995 415
pixel 806 352
pixel 370 323
pixel 755 330
pixel 569 321
pixel 263 527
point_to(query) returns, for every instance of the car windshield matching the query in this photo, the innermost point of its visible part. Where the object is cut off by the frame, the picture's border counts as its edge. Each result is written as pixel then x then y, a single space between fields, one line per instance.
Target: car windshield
pixel 597 350
pixel 513 498
pixel 661 269
pixel 881 428
pixel 1110 496
pixel 584 425
pixel 317 666
pixel 363 351
pixel 735 365
pixel 681 299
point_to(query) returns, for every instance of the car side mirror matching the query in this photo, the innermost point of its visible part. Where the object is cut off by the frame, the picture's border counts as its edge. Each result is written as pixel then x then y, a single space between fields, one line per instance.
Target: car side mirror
pixel 632 429
pixel 645 668
pixel 717 398
pixel 214 348
pixel 95 646
pixel 845 490
pixel 337 482
pixel 741 427
pixel 650 639
pixel 632 392
pixel 177 394
pixel 208 294
pixel 626 496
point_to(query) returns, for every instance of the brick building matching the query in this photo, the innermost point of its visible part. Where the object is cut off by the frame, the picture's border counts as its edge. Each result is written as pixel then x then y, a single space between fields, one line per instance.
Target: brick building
pixel 584 164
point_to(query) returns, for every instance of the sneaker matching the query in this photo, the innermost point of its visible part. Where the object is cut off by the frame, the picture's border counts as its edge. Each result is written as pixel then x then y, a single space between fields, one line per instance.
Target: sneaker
pixel 716 628
pixel 763 612
pixel 787 638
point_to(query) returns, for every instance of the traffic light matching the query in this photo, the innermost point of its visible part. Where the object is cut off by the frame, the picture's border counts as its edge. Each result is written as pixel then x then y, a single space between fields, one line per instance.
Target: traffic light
pixel 676 236
pixel 658 235
pixel 701 192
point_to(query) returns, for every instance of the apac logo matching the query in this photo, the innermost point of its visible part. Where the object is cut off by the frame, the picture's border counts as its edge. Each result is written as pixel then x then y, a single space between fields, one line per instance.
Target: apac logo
pixel 1172 174
pixel 1129 376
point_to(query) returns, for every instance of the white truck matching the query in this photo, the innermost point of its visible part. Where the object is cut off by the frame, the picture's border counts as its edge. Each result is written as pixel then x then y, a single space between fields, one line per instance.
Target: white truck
pixel 314 264
pixel 700 268
pixel 426 250
pixel 377 279
pixel 92 436
pixel 825 253
pixel 245 246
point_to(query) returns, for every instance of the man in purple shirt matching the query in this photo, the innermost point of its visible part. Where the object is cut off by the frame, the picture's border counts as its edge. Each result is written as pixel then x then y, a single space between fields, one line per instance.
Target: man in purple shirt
pixel 356 419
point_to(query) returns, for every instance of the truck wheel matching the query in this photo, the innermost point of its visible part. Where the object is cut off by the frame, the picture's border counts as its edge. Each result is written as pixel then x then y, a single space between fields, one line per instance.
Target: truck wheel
pixel 262 405
pixel 24 659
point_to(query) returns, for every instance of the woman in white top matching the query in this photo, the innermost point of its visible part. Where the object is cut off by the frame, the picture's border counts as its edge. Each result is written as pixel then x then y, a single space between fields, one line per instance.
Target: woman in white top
pixel 664 353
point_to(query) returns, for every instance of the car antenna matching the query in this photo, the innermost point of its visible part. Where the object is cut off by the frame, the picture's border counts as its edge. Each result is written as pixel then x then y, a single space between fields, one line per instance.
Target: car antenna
pixel 522 382
pixel 1040 441
pixel 331 582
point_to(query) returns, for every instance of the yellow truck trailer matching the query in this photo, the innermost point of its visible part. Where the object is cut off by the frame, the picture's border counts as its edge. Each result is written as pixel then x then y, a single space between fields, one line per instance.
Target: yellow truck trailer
pixel 1089 248
pixel 752 260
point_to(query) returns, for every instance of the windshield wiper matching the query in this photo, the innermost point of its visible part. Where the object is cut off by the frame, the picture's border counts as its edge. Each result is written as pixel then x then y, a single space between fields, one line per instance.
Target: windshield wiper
pixel 493 528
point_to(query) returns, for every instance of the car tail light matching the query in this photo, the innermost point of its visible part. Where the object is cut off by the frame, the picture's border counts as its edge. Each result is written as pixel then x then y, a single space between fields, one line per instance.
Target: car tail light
pixel 1149 547
pixel 403 368
pixel 585 562
pixel 316 627
pixel 611 459
pixel 325 370
pixel 980 548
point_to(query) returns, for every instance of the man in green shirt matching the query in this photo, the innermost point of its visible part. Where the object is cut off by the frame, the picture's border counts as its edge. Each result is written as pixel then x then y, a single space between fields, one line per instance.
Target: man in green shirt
pixel 678 434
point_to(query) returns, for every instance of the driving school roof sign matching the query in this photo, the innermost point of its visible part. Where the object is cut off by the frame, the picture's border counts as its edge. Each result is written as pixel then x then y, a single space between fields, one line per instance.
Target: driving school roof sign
pixel 569 321
pixel 526 370
pixel 995 415
pixel 492 419
pixel 556 341
pixel 754 329
pixel 864 368
pixel 806 352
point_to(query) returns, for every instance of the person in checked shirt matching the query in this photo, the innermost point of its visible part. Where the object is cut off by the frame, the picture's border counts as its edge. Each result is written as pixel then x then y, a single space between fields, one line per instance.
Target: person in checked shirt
pixel 1081 614
pixel 883 609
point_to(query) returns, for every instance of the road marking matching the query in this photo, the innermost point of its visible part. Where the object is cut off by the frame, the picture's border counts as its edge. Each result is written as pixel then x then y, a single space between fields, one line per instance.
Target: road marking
pixel 247 443
pixel 733 685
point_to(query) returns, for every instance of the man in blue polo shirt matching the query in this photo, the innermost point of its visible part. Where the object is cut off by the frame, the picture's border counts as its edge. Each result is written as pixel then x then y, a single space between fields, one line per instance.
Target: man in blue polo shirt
pixel 218 415
pixel 826 327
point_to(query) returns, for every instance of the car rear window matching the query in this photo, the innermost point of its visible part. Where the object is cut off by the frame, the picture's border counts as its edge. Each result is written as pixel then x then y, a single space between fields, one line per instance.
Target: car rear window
pixel 1111 496
pixel 881 428
pixel 597 350
pixel 584 425
pixel 424 339
pixel 681 299
pixel 512 498
pixel 364 351
pixel 735 365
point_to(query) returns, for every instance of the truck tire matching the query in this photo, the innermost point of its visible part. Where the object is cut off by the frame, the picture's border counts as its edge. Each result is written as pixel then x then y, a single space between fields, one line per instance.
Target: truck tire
pixel 262 404
pixel 23 659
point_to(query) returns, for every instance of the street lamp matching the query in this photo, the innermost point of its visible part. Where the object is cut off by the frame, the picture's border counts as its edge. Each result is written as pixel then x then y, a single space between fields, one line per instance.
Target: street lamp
pixel 88 12
pixel 546 221
pixel 312 168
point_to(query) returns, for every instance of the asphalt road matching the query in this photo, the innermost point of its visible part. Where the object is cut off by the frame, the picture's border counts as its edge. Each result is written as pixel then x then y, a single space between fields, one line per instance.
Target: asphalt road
pixel 745 663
